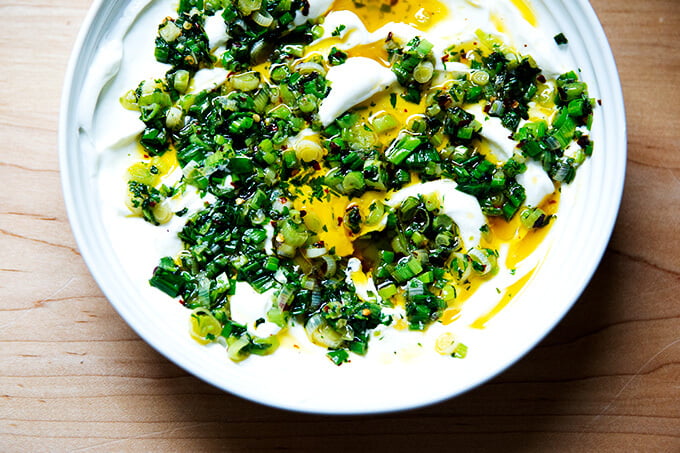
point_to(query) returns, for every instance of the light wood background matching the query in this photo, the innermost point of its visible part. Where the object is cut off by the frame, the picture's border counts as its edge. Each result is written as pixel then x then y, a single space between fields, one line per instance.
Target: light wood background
pixel 74 377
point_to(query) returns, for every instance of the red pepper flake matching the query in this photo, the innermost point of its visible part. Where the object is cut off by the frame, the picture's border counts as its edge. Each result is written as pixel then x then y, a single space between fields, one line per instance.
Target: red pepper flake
pixel 283 200
pixel 340 221
pixel 599 102
pixel 444 100
pixel 182 302
pixel 303 213
pixel 316 166
pixel 541 78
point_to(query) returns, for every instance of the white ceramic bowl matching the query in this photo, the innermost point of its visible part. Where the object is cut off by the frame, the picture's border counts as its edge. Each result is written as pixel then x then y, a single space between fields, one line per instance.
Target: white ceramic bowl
pixel 309 382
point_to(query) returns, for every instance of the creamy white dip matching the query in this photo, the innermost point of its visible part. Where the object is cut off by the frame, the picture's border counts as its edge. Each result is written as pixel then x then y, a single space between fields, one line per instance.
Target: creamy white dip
pixel 127 58
pixel 353 82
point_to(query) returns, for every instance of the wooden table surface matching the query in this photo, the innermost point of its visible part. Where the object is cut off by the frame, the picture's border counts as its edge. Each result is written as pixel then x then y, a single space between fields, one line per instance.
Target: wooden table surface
pixel 74 377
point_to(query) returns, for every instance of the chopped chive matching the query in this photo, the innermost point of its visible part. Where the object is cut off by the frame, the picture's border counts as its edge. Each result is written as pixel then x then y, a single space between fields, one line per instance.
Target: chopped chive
pixel 560 39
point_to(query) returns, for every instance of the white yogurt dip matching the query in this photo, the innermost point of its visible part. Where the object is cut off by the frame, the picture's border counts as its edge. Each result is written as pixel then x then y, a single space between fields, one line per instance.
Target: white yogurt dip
pixel 128 57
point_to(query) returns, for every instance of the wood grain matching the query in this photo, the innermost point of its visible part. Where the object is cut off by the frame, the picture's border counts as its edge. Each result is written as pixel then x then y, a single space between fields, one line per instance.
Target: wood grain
pixel 74 377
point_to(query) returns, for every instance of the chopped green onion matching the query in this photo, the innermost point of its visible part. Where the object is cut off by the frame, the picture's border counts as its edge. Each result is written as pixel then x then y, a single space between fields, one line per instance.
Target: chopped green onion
pixel 262 18
pixel 293 234
pixel 248 6
pixel 480 77
pixel 560 39
pixel 402 148
pixel 383 123
pixel 423 72
pixel 353 182
pixel 534 218
pixel 247 81
pixel 338 356
pixel 237 348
